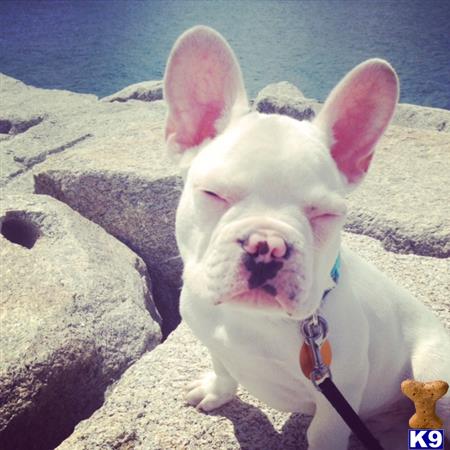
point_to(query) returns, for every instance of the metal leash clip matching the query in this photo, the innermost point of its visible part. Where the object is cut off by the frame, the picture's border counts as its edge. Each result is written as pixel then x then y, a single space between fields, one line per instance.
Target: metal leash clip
pixel 314 330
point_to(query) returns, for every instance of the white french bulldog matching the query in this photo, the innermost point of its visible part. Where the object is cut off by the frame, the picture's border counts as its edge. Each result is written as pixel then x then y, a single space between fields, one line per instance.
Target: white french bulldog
pixel 258 228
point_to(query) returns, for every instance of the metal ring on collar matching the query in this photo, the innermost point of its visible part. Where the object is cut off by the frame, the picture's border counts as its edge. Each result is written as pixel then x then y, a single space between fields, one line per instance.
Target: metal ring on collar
pixel 313 331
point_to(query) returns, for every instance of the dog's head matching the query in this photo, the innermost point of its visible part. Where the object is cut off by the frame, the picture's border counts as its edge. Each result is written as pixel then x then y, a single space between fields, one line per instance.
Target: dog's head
pixel 259 220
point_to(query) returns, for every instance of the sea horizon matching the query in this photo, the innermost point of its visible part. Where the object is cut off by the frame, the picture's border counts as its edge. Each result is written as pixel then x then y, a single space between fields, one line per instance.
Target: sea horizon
pixel 100 47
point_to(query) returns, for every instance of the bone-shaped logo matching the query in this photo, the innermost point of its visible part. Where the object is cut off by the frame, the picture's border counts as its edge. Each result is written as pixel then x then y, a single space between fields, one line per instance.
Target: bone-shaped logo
pixel 424 396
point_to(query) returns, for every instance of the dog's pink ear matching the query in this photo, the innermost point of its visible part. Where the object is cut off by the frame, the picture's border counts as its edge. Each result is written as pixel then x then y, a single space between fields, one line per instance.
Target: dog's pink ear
pixel 356 114
pixel 203 88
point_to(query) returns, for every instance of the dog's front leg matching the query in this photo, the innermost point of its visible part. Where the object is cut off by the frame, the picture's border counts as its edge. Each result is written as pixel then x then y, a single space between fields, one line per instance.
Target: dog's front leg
pixel 327 430
pixel 212 390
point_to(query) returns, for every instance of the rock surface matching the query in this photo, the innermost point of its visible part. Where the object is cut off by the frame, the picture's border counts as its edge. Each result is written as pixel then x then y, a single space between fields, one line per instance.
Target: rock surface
pixel 35 123
pixel 145 410
pixel 285 98
pixel 422 117
pixel 38 123
pixel 125 184
pixel 76 311
pixel 107 161
pixel 404 199
pixel 146 91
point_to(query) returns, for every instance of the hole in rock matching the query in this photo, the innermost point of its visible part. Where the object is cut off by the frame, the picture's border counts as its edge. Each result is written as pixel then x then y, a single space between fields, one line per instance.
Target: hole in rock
pixel 19 231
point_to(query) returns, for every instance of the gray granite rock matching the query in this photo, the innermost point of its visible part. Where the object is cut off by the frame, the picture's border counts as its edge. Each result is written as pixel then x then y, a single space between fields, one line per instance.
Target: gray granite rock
pixel 404 200
pixel 146 91
pixel 425 277
pixel 284 98
pixel 422 117
pixel 38 123
pixel 145 410
pixel 76 312
pixel 24 104
pixel 125 184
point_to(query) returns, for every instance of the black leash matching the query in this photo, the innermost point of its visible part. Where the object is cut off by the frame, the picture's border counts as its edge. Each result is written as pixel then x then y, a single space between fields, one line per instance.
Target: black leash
pixel 314 330
pixel 341 405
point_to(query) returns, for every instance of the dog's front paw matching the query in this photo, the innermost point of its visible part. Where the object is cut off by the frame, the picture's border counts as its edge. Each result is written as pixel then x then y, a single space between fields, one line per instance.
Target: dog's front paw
pixel 210 392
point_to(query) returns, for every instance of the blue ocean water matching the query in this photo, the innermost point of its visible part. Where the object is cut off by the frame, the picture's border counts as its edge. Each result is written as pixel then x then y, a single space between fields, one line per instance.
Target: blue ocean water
pixel 100 46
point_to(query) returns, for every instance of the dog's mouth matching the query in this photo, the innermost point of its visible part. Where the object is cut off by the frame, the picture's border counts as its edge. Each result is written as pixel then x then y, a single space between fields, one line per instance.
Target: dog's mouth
pixel 265 298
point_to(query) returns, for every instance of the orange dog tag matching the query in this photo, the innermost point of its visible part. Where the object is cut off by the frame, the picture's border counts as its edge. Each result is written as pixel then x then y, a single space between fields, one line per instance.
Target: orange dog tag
pixel 307 360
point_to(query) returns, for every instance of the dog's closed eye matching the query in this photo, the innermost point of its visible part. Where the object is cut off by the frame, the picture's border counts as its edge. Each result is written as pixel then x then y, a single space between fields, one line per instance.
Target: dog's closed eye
pixel 318 214
pixel 323 208
pixel 322 219
pixel 214 196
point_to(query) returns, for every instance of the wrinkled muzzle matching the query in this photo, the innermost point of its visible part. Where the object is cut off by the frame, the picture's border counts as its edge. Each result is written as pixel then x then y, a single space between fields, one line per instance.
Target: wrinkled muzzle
pixel 256 264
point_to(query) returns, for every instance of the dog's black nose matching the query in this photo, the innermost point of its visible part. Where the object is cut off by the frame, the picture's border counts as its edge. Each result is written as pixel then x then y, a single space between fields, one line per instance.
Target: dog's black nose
pixel 260 272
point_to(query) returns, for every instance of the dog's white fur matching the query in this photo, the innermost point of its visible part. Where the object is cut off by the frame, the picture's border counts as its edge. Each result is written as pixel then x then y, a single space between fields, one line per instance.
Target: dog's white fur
pixel 246 171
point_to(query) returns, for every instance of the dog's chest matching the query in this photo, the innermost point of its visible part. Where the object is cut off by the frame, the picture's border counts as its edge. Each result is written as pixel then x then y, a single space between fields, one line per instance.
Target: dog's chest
pixel 261 353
